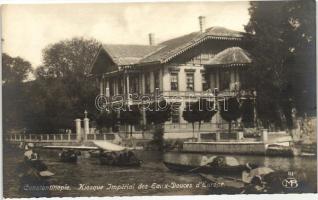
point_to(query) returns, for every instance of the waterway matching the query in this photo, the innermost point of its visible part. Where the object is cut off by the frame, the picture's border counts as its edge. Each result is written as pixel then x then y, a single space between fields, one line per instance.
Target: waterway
pixel 88 178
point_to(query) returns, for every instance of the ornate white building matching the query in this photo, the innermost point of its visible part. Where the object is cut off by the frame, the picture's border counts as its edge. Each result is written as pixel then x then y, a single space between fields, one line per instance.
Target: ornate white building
pixel 190 65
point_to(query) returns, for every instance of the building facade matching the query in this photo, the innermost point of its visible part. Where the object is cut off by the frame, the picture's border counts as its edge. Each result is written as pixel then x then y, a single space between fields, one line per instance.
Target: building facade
pixel 182 69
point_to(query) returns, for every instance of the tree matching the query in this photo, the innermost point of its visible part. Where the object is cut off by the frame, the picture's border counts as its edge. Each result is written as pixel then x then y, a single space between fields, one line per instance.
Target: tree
pixel 284 43
pixel 130 115
pixel 66 58
pixel 248 112
pixel 158 113
pixel 15 69
pixel 190 114
pixel 199 111
pixel 205 111
pixel 106 119
pixel 15 72
pixel 64 74
pixel 230 110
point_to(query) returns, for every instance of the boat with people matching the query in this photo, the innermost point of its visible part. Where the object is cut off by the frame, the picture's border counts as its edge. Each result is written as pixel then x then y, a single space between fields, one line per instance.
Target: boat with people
pixel 261 180
pixel 69 155
pixel 122 158
pixel 32 170
pixel 212 165
pixel 108 153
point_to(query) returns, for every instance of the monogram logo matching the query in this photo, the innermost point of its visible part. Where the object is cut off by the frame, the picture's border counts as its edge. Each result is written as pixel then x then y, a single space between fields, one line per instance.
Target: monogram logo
pixel 290 182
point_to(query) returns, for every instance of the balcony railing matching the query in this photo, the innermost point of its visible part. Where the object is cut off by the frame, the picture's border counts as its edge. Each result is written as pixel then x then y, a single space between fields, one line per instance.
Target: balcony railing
pixel 139 97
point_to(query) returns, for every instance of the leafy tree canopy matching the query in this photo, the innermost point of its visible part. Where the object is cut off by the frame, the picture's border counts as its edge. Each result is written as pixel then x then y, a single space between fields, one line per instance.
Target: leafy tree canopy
pixel 230 110
pixel 61 91
pixel 284 54
pixel 66 58
pixel 15 69
pixel 106 119
pixel 156 115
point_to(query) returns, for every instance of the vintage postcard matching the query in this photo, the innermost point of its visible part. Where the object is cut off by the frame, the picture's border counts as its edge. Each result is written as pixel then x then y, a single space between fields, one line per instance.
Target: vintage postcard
pixel 160 98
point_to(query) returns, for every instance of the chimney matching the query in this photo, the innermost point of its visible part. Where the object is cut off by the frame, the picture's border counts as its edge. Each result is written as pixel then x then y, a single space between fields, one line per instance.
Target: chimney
pixel 202 23
pixel 151 39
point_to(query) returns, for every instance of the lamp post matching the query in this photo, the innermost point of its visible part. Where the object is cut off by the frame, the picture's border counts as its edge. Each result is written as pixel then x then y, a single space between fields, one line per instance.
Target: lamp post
pixel 85 114
pixel 254 109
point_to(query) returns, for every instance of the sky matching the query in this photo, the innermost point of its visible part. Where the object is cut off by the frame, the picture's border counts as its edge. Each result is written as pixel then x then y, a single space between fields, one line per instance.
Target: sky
pixel 28 29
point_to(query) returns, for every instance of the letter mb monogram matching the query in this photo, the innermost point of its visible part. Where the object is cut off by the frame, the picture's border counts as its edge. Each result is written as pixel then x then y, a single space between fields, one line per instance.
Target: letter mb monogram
pixel 290 182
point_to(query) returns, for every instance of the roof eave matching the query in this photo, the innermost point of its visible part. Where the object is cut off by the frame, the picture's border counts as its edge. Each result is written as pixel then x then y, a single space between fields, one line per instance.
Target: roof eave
pixel 165 60
pixel 228 65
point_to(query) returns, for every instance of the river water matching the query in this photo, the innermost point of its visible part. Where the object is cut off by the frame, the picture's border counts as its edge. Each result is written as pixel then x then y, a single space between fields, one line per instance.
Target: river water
pixel 149 179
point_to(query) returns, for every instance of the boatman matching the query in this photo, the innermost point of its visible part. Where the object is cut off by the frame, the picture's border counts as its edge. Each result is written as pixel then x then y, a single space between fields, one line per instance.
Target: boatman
pixel 29 154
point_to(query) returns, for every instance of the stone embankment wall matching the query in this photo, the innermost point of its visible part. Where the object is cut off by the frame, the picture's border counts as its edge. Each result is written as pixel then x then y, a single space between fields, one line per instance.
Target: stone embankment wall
pixel 254 148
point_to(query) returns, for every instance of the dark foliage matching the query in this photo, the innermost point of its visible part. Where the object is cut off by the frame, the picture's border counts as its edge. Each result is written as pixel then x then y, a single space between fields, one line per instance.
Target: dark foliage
pixel 15 72
pixel 247 109
pixel 199 111
pixel 157 114
pixel 284 72
pixel 60 93
pixel 130 115
pixel 106 119
pixel 230 110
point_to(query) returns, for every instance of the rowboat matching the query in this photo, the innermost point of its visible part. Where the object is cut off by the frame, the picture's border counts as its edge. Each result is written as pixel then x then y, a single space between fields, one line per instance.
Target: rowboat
pixel 233 185
pixel 68 156
pixel 123 158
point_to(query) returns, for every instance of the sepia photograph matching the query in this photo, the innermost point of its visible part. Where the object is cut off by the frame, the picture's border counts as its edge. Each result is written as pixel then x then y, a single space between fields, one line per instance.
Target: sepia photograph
pixel 159 98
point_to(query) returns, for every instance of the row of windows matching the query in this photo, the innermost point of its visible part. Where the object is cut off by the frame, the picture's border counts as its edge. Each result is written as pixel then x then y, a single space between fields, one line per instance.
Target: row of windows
pixel 174 81
pixel 135 82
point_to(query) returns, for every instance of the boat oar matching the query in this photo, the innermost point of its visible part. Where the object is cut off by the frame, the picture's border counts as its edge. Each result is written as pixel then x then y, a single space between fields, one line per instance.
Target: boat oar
pixel 194 169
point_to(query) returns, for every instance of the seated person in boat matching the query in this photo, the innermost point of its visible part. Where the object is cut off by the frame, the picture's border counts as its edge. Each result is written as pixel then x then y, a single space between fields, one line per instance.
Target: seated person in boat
pixel 109 157
pixel 132 157
pixel 124 157
pixel 219 161
pixel 256 186
pixel 29 154
pixel 68 155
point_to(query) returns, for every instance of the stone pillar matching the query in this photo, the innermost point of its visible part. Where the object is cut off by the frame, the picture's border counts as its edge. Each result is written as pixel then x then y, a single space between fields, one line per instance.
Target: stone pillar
pixel 239 135
pixel 218 136
pixel 143 87
pixel 217 78
pixel 78 129
pixel 152 82
pixel 107 86
pixel 127 86
pixel 199 137
pixel 144 119
pixel 166 79
pixel 86 127
pixel 160 79
pixel 101 89
pixel 264 136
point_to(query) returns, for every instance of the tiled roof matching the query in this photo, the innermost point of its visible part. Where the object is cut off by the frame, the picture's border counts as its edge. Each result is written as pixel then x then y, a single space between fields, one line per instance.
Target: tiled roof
pixel 176 46
pixel 128 54
pixel 233 55
pixel 165 51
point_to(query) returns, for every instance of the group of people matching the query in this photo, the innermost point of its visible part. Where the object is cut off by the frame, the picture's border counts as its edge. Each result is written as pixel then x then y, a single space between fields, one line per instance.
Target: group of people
pixel 257 179
pixel 69 155
pixel 121 158
pixel 31 170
